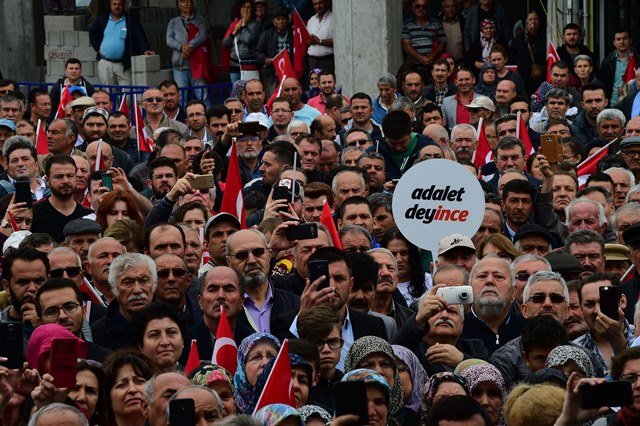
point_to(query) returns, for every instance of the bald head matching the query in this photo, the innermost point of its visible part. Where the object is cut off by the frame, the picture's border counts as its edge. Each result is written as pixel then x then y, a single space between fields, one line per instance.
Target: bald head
pixel 438 133
pixel 633 127
pixel 505 92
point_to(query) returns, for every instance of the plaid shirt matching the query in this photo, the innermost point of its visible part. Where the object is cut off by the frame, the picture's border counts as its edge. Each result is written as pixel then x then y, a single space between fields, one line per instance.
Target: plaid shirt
pixel 587 342
pixel 440 95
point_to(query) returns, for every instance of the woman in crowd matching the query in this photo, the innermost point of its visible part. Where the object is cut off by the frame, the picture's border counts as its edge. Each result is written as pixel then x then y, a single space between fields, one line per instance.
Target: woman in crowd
pixel 278 415
pixel 374 353
pixel 413 378
pixel 22 215
pixel 487 81
pixel 487 387
pixel 570 359
pixel 312 415
pixel 499 245
pixel 88 394
pixel 241 39
pixel 533 165
pixel 254 353
pixel 529 51
pixel 218 379
pixel 478 53
pixel 160 332
pixel 314 85
pixel 410 270
pixel 115 206
pixel 534 405
pixel 129 233
pixel 441 385
pixel 379 396
pixel 193 213
pixel 126 373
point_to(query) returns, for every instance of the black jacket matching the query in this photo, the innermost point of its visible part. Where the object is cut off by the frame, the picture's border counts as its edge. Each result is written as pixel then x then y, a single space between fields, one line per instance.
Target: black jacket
pixel 583 130
pixel 475 328
pixel 631 289
pixel 110 331
pixel 136 42
pixel 626 104
pixel 292 282
pixel 608 69
pixel 205 340
pixel 429 92
pixel 283 304
pixel 267 47
pixel 56 91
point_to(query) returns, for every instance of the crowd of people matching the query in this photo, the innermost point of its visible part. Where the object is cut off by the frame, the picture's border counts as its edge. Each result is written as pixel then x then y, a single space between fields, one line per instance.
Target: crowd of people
pixel 125 254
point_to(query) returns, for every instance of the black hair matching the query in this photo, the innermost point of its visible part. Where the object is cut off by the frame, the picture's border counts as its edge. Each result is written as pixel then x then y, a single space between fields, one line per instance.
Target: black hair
pixel 416 286
pixel 218 111
pixel 284 152
pixel 364 270
pixel 28 254
pixel 456 408
pixel 520 187
pixel 331 255
pixel 543 332
pixel 38 239
pixel 356 199
pixel 161 162
pixel 168 83
pixel 396 124
pixel 156 311
pixel 361 95
pixel 56 284
pixel 21 144
pixel 600 177
pixel 61 159
pixel 118 114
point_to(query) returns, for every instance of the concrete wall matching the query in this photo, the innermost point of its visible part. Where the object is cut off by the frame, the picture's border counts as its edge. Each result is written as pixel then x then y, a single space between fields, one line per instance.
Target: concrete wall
pixel 18 40
pixel 367 40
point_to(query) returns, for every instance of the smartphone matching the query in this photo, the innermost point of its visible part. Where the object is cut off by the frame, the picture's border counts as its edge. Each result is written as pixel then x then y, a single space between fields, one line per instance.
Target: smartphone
pixel 282 193
pixel 318 268
pixel 351 398
pixel 249 127
pixel 23 192
pixel 64 362
pixel 202 181
pixel 609 301
pixel 11 344
pixel 107 181
pixel 617 393
pixel 551 147
pixel 457 295
pixel 304 231
pixel 182 412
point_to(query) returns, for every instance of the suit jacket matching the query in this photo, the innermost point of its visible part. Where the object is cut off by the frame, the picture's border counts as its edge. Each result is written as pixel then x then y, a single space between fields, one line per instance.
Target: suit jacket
pixel 283 304
pixel 205 340
pixel 449 109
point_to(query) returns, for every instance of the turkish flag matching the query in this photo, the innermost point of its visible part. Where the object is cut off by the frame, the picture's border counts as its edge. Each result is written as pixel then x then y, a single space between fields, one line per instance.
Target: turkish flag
pixel 279 386
pixel 590 165
pixel 232 200
pixel 124 106
pixel 300 38
pixel 100 165
pixel 225 350
pixel 145 143
pixel 14 224
pixel 483 152
pixel 65 99
pixel 523 135
pixel 282 65
pixel 630 71
pixel 327 220
pixel 42 147
pixel 552 58
pixel 87 288
pixel 193 361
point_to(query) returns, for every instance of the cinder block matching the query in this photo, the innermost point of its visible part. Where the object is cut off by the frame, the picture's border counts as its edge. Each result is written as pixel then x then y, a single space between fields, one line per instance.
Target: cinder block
pixel 83 39
pixel 145 63
pixel 53 38
pixel 69 38
pixel 51 78
pixel 89 68
pixel 163 75
pixel 55 67
pixel 63 22
pixel 61 53
pixel 84 53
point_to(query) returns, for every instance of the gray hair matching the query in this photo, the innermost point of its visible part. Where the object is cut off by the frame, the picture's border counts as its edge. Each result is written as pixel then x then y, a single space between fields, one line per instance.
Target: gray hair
pixel 501 260
pixel 518 245
pixel 401 103
pixel 149 389
pixel 58 407
pixel 544 276
pixel 557 94
pixel 92 247
pixel 632 178
pixel 381 199
pixel 611 114
pixel 298 123
pixel 387 252
pixel 22 140
pixel 467 127
pixel 349 149
pixel 284 138
pixel 635 189
pixel 529 258
pixel 388 78
pixel 67 250
pixel 582 58
pixel 633 208
pixel 334 183
pixel 602 219
pixel 346 229
pixel 128 260
pixel 195 387
pixel 445 268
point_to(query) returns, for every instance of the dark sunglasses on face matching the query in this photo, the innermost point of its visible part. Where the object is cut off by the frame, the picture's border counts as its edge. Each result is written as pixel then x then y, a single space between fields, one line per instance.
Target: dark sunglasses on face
pixel 244 254
pixel 152 99
pixel 541 297
pixel 163 274
pixel 72 271
pixel 345 121
pixel 361 142
pixel 523 276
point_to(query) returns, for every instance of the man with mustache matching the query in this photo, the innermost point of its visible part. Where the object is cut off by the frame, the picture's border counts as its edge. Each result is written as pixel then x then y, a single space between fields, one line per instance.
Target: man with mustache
pixel 517 206
pixel 218 117
pixel 221 288
pixel 588 247
pixel 174 279
pixel 99 258
pixel 118 133
pixel 383 302
pixel 434 332
pixel 133 281
pixel 463 141
pixel 52 214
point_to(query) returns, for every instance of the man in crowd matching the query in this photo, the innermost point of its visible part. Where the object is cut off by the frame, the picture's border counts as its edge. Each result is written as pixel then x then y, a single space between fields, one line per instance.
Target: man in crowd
pixel 99 258
pixel 387 86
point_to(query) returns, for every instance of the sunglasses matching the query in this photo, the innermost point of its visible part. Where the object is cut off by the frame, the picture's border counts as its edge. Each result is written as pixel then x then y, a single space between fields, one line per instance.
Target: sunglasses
pixel 249 139
pixel 152 99
pixel 163 274
pixel 361 142
pixel 244 254
pixel 72 271
pixel 541 297
pixel 523 276
pixel 345 121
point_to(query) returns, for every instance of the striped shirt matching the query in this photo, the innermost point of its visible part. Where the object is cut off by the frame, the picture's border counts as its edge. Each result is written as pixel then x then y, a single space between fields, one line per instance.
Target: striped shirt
pixel 422 38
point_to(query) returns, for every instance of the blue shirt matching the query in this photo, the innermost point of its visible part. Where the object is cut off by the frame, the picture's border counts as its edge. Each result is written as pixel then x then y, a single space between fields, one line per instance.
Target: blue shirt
pixel 113 40
pixel 621 67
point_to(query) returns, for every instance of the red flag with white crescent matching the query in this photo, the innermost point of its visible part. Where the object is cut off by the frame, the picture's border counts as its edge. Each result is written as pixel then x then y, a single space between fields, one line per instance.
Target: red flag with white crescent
pixel 552 58
pixel 42 146
pixel 124 106
pixel 65 99
pixel 193 361
pixel 225 350
pixel 300 38
pixel 232 200
pixel 279 386
pixel 282 65
pixel 145 143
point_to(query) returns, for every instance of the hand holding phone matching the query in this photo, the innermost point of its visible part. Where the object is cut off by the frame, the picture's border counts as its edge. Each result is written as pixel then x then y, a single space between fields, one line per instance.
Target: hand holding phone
pixel 617 393
pixel 182 412
pixel 351 398
pixel 304 231
pixel 318 268
pixel 64 362
pixel 107 181
pixel 609 301
pixel 23 193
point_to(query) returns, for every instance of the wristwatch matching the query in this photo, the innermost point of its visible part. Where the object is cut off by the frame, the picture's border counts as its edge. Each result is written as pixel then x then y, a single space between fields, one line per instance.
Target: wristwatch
pixel 4 224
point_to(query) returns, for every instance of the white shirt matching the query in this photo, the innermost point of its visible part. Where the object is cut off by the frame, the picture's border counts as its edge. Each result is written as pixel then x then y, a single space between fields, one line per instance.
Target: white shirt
pixel 323 29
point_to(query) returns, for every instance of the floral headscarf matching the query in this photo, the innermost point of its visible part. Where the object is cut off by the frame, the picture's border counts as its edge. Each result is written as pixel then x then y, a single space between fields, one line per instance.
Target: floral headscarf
pixel 561 354
pixel 480 373
pixel 310 411
pixel 418 377
pixel 245 394
pixel 435 381
pixel 367 345
pixel 207 374
pixel 468 363
pixel 275 414
pixel 487 44
pixel 367 376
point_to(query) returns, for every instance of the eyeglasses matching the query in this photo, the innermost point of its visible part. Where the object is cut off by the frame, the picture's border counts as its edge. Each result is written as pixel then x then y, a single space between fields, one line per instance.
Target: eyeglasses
pixel 631 154
pixel 54 311
pixel 523 276
pixel 163 274
pixel 555 298
pixel 154 99
pixel 361 142
pixel 244 254
pixel 345 121
pixel 72 271
pixel 335 343
pixel 631 377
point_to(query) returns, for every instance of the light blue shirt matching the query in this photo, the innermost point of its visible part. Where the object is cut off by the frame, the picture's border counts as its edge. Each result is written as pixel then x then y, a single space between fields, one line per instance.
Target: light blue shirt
pixel 621 67
pixel 261 317
pixel 113 40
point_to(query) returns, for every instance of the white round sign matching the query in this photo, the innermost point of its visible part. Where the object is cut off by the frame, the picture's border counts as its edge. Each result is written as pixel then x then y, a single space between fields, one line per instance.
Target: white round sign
pixel 436 198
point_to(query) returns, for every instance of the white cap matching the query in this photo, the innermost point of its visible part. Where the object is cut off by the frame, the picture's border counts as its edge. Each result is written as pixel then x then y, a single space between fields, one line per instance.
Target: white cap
pixel 15 239
pixel 259 117
pixel 480 101
pixel 455 241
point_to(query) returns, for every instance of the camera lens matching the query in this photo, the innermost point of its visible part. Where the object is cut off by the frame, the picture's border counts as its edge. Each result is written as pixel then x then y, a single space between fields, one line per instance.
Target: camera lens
pixel 10 327
pixel 463 295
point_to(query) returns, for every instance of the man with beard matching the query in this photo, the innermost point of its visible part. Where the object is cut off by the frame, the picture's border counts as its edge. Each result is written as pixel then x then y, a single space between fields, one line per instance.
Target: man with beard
pixel 163 175
pixel 588 247
pixel 99 258
pixel 249 256
pixel 24 272
pixel 197 120
pixel 361 110
pixel 440 88
pixel 94 125
pixel 517 206
pixel 221 289
pixel 382 213
pixel 412 87
pixel 453 106
pixel 383 302
pixel 218 117
pixel 133 280
pixel 22 164
pixel 171 94
pixel 594 100
pixel 573 45
pixel 277 157
pixel 173 285
pixel 463 141
pixel 490 319
pixel 327 82
pixel 51 215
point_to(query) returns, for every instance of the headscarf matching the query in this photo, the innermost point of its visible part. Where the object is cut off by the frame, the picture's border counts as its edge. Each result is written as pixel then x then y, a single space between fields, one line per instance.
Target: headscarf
pixel 418 377
pixel 487 44
pixel 368 376
pixel 40 344
pixel 482 88
pixel 547 375
pixel 561 354
pixel 468 363
pixel 237 89
pixel 366 346
pixel 310 411
pixel 295 360
pixel 207 374
pixel 435 381
pixel 275 414
pixel 487 373
pixel 245 394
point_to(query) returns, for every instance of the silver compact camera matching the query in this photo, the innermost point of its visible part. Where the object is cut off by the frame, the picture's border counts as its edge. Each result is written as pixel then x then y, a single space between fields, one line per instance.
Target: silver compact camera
pixel 457 295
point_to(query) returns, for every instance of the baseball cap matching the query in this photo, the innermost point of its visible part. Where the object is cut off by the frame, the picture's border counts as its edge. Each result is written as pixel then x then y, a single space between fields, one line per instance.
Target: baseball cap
pixel 482 102
pixel 15 239
pixel 630 141
pixel 95 111
pixel 533 229
pixel 83 101
pixel 80 89
pixel 259 117
pixel 5 122
pixel 221 217
pixel 453 241
pixel 81 226
pixel 616 252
